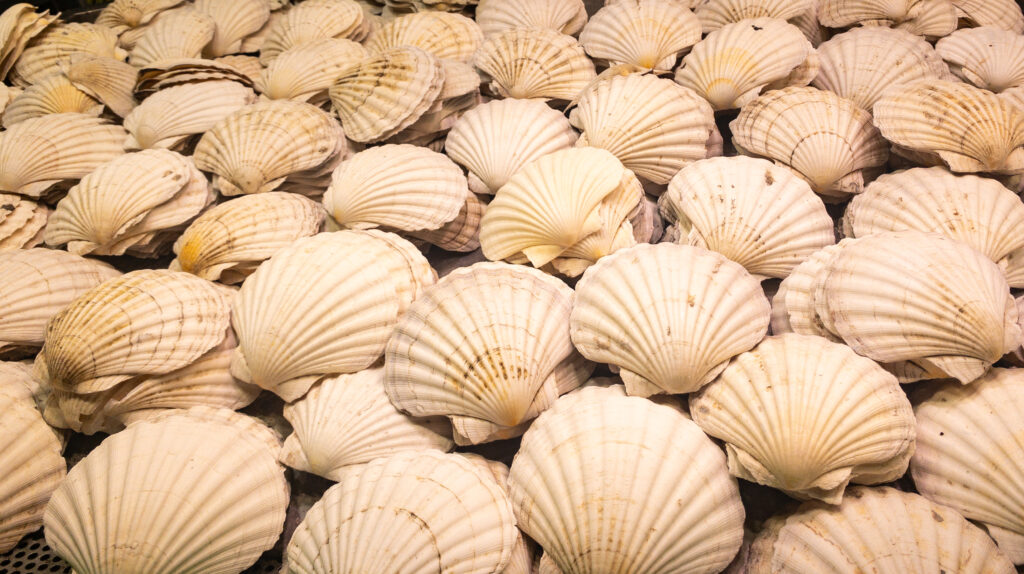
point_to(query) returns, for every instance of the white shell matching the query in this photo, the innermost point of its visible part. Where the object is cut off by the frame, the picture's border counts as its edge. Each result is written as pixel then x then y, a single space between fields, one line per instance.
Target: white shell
pixel 921 17
pixel 565 16
pixel 310 21
pixel 22 222
pixel 124 15
pixel 307 71
pixel 443 34
pixel 643 33
pixel 18 382
pixel 460 234
pixel 178 34
pixel 987 57
pixel 233 22
pixel 714 14
pixel 1005 14
pixel 53 94
pixel 184 71
pixel 609 483
pixel 168 117
pixel 108 80
pixel 56 45
pixel 535 63
pixel 19 25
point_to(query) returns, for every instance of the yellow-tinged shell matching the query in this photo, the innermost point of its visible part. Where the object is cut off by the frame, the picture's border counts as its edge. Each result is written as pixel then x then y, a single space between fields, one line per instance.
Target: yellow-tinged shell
pixel 108 80
pixel 57 43
pixel 19 24
pixel 565 16
pixel 314 20
pixel 445 35
pixel 643 33
pixel 535 63
pixel 169 117
pixel 178 34
pixel 921 17
pixel 22 222
pixel 123 15
pixel 185 71
pixel 233 22
pixel 306 72
pixel 988 57
pixel 54 94
pixel 714 14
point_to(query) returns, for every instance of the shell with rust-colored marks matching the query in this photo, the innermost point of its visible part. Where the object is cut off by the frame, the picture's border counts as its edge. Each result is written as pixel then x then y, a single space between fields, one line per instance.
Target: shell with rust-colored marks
pixel 715 14
pixel 643 33
pixel 565 16
pixel 988 57
pixel 314 20
pixel 305 73
pixel 445 35
pixel 181 33
pixel 535 63
pixel 169 117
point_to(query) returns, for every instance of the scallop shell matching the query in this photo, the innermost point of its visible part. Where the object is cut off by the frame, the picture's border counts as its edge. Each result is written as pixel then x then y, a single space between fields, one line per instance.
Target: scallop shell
pixel 400 187
pixel 254 42
pixel 597 454
pixel 535 63
pixel 386 92
pixel 234 21
pixel 123 15
pixel 38 283
pixel 325 305
pixel 715 14
pixel 735 63
pixel 1004 14
pixel 32 468
pixel 17 382
pixel 22 222
pixel 313 20
pixel 182 493
pixel 970 451
pixel 307 71
pixel 494 140
pixel 156 321
pixel 440 512
pixel 564 16
pixel 865 63
pixel 572 204
pixel 921 17
pixel 757 214
pixel 786 429
pixel 19 24
pixel 249 66
pixel 696 310
pixel 460 234
pixel 37 153
pixel 256 147
pixel 186 71
pixel 445 35
pixel 347 420
pixel 178 34
pixel 108 80
pixel 643 33
pixel 968 128
pixel 827 139
pixel 53 95
pixel 228 241
pixel 879 530
pixel 167 118
pixel 54 46
pixel 987 57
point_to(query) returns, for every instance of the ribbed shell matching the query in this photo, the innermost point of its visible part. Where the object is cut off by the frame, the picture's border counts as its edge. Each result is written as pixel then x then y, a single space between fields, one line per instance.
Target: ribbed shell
pixel 1004 14
pixel 307 71
pixel 565 16
pixel 52 95
pixel 186 492
pixel 793 306
pixel 108 80
pixel 17 382
pixel 22 222
pixel 181 72
pixel 438 512
pixel 921 17
pixel 460 234
pixel 313 20
pixel 535 63
pixel 614 484
pixel 19 24
pixel 714 14
pixel 166 118
pixel 643 33
pixel 55 45
pixel 234 21
pixel 179 34
pixel 808 416
pixel 988 57
pixel 123 15
pixel 443 34
pixel 249 66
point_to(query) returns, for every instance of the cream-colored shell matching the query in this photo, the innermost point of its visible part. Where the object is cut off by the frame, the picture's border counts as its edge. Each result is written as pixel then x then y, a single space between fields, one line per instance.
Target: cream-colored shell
pixel 921 17
pixel 192 491
pixel 439 511
pixel 52 95
pixel 181 33
pixel 325 305
pixel 756 213
pixel 793 306
pixel 123 15
pixel 347 420
pixel 233 22
pixel 652 125
pixel 228 241
pixel 443 34
pixel 643 33
pixel 715 14
pixel 988 57
pixel 535 63
pixel 19 24
pixel 248 65
pixel 808 416
pixel 967 128
pixel 17 382
pixel 167 118
pixel 254 42
pixel 22 222
pixel 56 44
pixel 616 484
pixel 1004 14
pixel 313 20
pixel 826 138
pixel 565 16
pixel 864 63
pixel 136 202
pixel 108 80
pixel 496 139
pixel 668 316
pixel 460 234
pixel 307 71
pixel 178 72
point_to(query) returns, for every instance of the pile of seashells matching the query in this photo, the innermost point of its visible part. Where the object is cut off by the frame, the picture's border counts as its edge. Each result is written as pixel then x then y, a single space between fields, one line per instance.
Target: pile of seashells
pixel 672 260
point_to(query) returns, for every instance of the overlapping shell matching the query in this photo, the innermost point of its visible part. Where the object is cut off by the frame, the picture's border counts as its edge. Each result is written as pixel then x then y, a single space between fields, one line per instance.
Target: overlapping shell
pixel 56 45
pixel 443 34
pixel 233 21
pixel 54 94
pixel 124 15
pixel 177 34
pixel 188 71
pixel 22 222
pixel 643 33
pixel 108 80
pixel 314 20
pixel 988 57
pixel 306 72
pixel 169 117
pixel 565 16
pixel 714 14
pixel 1005 14
pixel 19 25
pixel 535 63
pixel 921 17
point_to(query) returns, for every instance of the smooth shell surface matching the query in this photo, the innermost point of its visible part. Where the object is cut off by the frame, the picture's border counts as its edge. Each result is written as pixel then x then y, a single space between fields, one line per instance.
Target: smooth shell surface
pixel 535 63
pixel 643 33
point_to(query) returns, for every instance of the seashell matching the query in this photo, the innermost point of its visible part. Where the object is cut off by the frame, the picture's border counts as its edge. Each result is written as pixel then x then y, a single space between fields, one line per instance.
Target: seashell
pixel 39 152
pixel 920 17
pixel 494 140
pixel 19 25
pixel 652 125
pixel 22 222
pixel 314 20
pixel 460 234
pixel 643 33
pixel 234 21
pixel 864 63
pixel 1005 14
pixel 169 117
pixel 440 511
pixel 253 149
pixel 38 283
pixel 254 42
pixel 228 241
pixel 968 128
pixel 52 95
pixel 977 211
pixel 249 66
pixel 988 57
pixel 308 71
pixel 564 16
pixel 730 68
pixel 715 14
pixel 348 420
pixel 158 321
pixel 597 454
pixel 124 15
pixel 785 429
pixel 7 95
pixel 32 465
pixel 326 305
pixel 571 205
pixel 386 92
pixel 178 34
pixel 17 382
pixel 535 63
pixel 443 34
pixel 186 71
pixel 827 139
pixel 56 44
pixel 487 343
pixel 108 80
pixel 186 492
pixel 969 454
pixel 876 529
pixel 698 310
pixel 757 214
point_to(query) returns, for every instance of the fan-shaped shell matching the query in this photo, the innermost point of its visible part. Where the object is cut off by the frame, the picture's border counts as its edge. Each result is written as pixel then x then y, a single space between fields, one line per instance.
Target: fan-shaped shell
pixel 123 15
pixel 921 17
pixel 460 234
pixel 173 114
pixel 54 46
pixel 878 530
pixel 313 20
pixel 616 484
pixel 52 95
pixel 305 71
pixel 185 71
pixel 108 80
pixel 323 306
pixel 178 34
pixel 1004 14
pixel 565 16
pixel 988 57
pixel 17 382
pixel 494 140
pixel 22 222
pixel 182 493
pixel 19 24
pixel 535 63
pixel 968 128
pixel 714 14
pixel 440 512
pixel 233 22
pixel 443 34
pixel 808 416
pixel 758 214
pixel 249 66
pixel 643 33
pixel 228 241
pixel 827 139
